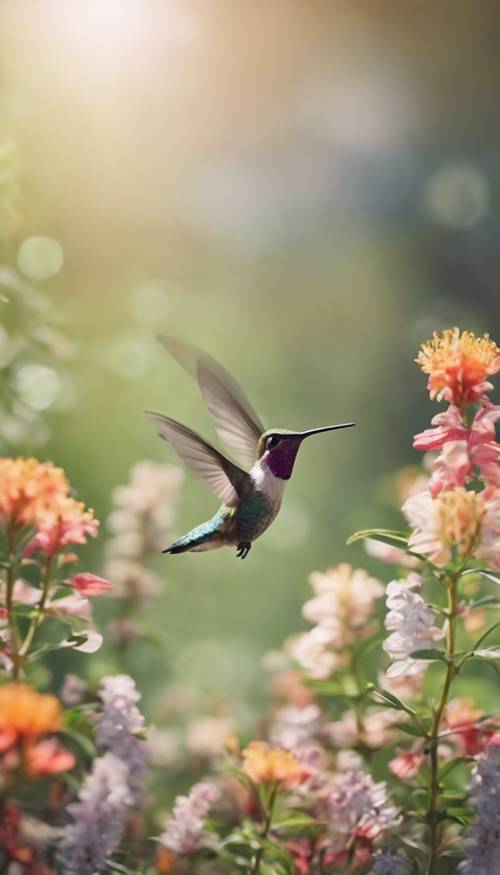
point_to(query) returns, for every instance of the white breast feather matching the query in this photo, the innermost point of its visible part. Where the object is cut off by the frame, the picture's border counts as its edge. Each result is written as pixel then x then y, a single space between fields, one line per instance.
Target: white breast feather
pixel 266 482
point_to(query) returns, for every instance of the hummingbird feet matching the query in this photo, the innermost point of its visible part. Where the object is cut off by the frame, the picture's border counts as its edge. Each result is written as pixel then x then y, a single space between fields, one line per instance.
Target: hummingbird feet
pixel 243 549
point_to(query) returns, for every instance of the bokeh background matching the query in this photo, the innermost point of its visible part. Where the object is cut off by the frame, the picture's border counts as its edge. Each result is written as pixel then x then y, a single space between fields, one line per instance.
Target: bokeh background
pixel 305 189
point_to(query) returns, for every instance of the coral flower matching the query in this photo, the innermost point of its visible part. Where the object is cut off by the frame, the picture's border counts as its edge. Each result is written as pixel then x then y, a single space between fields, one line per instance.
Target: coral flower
pixel 264 765
pixel 473 733
pixel 25 716
pixel 406 764
pixel 28 488
pixel 458 364
pixel 89 585
pixel 65 522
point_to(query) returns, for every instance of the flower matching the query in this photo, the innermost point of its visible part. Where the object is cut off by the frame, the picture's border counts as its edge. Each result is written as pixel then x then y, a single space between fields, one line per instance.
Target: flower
pixel 89 585
pixel 455 523
pixel 143 512
pixel 184 833
pixel 313 652
pixel 458 364
pixel 464 451
pixel 411 622
pixel 389 553
pixel 119 728
pixel 25 717
pixel 28 489
pixel 406 764
pixel 373 729
pixel 472 732
pixel 293 726
pixel 482 845
pixel 207 736
pixel 98 818
pixel 47 758
pixel 265 764
pixel 344 602
pixel 387 862
pixel 65 522
pixel 357 810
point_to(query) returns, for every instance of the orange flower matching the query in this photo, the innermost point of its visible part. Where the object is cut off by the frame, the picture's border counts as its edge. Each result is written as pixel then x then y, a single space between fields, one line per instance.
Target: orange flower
pixel 25 716
pixel 38 494
pixel 458 364
pixel 28 488
pixel 264 764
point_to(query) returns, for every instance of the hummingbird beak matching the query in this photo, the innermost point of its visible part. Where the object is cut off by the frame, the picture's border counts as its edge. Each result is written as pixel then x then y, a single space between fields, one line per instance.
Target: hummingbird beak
pixel 304 434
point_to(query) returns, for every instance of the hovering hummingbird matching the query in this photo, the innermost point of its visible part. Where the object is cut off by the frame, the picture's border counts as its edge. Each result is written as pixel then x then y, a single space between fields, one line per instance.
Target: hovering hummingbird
pixel 250 498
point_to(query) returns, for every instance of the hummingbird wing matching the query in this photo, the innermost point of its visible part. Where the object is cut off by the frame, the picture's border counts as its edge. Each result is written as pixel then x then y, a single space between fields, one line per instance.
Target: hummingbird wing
pixel 236 422
pixel 222 476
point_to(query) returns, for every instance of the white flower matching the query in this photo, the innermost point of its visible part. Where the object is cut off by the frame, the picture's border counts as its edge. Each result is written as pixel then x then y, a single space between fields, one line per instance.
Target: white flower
pixel 482 845
pixel 313 652
pixel 119 726
pixel 411 621
pixel 293 727
pixel 185 833
pixel 99 818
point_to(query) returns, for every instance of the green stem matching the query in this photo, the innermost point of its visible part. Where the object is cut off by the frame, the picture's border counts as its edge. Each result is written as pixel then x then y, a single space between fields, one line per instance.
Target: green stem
pixel 37 619
pixel 9 600
pixel 265 830
pixel 432 813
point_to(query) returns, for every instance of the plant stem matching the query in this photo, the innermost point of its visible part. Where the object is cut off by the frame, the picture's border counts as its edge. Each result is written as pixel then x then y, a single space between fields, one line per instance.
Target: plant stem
pixel 37 619
pixel 267 824
pixel 432 813
pixel 15 641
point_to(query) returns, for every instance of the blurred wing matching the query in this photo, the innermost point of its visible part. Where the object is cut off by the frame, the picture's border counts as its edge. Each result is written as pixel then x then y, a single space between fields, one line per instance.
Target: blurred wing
pixel 236 422
pixel 223 477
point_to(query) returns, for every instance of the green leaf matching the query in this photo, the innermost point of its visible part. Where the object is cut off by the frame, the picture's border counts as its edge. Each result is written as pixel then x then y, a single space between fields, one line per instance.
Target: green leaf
pixel 387 536
pixel 301 822
pixel 486 601
pixel 391 700
pixel 449 766
pixel 83 741
pixel 429 654
pixel 243 778
pixel 409 728
pixel 487 653
pixel 484 572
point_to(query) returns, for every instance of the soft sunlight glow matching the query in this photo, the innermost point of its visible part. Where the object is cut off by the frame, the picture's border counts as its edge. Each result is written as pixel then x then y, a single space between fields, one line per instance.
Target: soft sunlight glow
pixel 40 258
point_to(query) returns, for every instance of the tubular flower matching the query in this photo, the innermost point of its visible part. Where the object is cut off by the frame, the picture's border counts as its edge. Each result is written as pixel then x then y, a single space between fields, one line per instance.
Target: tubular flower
pixel 185 833
pixel 358 810
pixel 389 863
pixel 411 622
pixel 344 602
pixel 265 765
pixel 482 845
pixel 458 524
pixel 26 716
pixel 472 732
pixel 458 364
pixel 65 522
pixel 465 452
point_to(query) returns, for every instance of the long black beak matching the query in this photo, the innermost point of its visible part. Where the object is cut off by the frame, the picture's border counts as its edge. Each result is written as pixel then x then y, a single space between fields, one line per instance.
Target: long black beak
pixel 310 431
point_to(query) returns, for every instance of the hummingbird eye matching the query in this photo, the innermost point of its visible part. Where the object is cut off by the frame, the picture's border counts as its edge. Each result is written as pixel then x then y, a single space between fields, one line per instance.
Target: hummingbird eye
pixel 272 441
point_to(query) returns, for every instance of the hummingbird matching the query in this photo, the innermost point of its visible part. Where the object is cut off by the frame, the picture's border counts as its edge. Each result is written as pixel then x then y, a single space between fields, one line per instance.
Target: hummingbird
pixel 251 492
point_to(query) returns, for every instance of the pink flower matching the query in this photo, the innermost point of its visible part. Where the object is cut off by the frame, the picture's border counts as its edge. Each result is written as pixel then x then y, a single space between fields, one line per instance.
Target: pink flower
pixel 389 553
pixel 88 584
pixel 406 764
pixel 463 450
pixel 71 606
pixel 47 758
pixel 66 523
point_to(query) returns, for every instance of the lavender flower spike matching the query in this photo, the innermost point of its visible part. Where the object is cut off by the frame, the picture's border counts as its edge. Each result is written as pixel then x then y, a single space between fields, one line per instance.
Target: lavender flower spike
pixel 482 845
pixel 99 817
pixel 387 863
pixel 185 833
pixel 119 727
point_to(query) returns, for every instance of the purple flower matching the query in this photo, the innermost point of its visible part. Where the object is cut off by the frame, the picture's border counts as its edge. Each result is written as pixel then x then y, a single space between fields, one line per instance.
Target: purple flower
pixel 389 863
pixel 99 818
pixel 185 833
pixel 119 727
pixel 482 844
